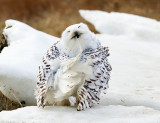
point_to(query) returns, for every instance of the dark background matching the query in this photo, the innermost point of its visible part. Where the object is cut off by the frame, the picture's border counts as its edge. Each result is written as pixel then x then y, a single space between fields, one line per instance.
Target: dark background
pixel 53 16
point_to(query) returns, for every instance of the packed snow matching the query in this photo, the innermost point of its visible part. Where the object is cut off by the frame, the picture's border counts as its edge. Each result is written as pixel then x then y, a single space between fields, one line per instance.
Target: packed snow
pixel 123 24
pixel 133 96
pixel 98 114
pixel 19 61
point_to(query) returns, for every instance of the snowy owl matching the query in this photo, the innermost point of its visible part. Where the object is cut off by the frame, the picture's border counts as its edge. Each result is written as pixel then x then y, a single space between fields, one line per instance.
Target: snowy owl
pixel 74 71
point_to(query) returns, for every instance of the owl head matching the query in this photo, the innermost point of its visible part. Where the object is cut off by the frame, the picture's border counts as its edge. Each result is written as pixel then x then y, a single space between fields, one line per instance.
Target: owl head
pixel 78 37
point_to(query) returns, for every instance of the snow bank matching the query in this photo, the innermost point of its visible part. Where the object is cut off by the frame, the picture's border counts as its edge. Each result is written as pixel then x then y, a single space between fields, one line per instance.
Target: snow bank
pixel 19 61
pixel 120 24
pixel 98 114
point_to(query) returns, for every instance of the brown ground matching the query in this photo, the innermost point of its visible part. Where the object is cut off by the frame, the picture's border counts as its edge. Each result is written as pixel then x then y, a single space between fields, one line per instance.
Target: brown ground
pixel 53 16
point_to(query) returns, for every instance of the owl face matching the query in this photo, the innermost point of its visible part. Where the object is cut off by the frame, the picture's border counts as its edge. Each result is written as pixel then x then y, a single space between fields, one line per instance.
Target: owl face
pixel 76 32
pixel 72 30
pixel 76 37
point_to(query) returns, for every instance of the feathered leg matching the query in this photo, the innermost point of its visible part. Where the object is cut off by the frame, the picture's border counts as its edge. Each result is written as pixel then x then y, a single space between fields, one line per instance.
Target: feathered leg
pixel 85 100
pixel 40 93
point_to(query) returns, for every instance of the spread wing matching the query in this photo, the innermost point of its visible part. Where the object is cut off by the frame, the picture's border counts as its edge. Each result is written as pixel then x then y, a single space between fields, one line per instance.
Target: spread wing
pixel 89 94
pixel 44 73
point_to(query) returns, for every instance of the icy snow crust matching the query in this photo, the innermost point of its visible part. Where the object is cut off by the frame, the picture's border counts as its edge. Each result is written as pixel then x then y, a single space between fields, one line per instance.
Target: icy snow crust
pixel 20 60
pixel 134 93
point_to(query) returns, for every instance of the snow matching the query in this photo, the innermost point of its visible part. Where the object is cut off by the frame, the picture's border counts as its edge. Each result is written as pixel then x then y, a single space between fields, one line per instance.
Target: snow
pixel 19 61
pixel 102 114
pixel 122 24
pixel 135 76
pixel 133 96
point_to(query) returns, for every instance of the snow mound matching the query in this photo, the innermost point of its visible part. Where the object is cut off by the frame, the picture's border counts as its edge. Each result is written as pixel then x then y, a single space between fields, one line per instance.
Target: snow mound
pixel 102 114
pixel 120 24
pixel 19 61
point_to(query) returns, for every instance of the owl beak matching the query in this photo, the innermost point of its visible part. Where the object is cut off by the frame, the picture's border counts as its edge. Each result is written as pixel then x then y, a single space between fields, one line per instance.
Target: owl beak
pixel 76 35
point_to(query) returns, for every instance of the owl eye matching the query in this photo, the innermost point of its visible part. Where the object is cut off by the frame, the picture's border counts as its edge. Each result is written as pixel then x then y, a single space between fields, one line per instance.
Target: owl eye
pixel 79 26
pixel 68 31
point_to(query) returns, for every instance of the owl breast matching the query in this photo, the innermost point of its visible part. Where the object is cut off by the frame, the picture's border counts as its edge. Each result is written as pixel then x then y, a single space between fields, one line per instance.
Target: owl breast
pixel 70 77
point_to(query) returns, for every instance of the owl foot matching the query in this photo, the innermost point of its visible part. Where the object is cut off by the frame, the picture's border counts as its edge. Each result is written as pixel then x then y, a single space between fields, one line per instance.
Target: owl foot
pixel 72 101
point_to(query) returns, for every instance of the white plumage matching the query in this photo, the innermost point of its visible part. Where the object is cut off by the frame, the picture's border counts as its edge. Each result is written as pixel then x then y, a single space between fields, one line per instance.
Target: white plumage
pixel 75 70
